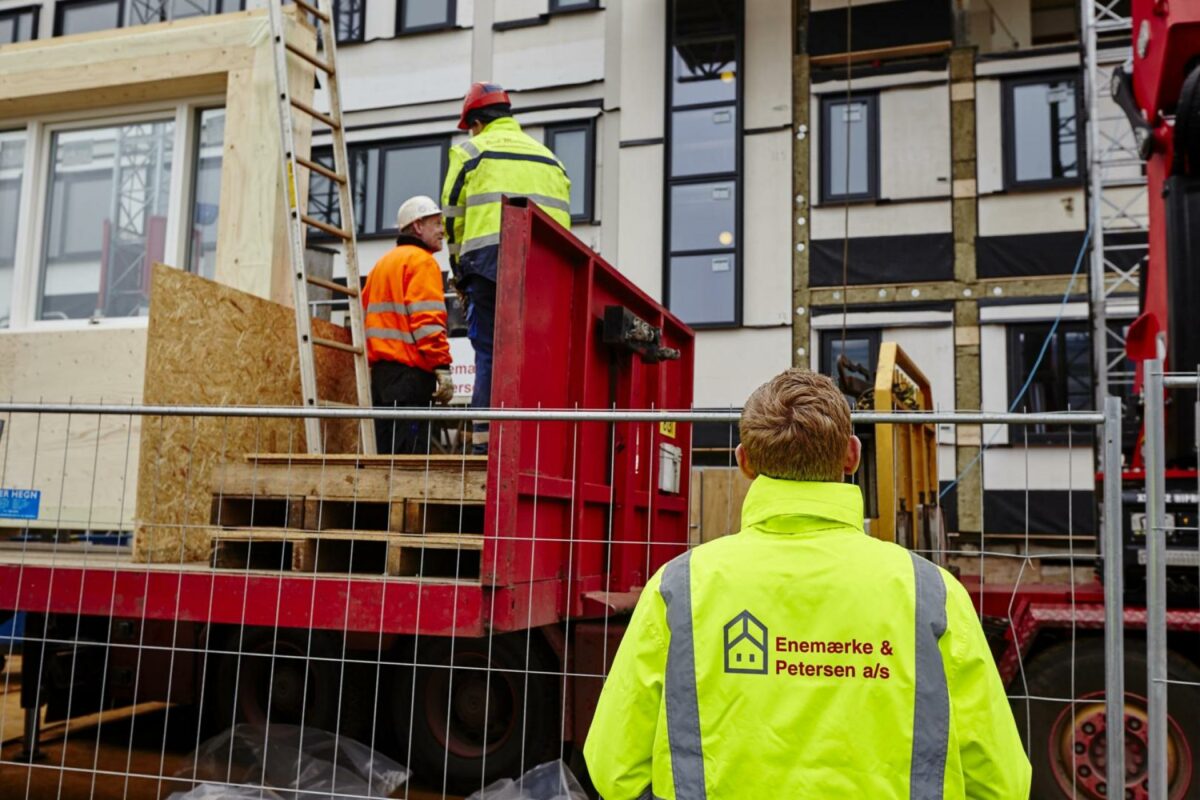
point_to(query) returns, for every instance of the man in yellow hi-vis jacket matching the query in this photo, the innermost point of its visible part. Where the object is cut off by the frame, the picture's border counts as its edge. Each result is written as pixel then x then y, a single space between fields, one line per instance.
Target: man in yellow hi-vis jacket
pixel 801 658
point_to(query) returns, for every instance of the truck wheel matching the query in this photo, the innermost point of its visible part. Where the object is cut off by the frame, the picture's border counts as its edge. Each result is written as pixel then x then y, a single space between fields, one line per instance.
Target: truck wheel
pixel 1067 741
pixel 276 676
pixel 481 714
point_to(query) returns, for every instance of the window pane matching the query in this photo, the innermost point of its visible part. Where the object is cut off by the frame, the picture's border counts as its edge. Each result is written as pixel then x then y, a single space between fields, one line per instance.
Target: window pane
pixel 422 13
pixel 25 31
pixel 107 218
pixel 12 161
pixel 206 193
pixel 571 148
pixel 857 350
pixel 702 216
pixel 702 288
pixel 704 72
pixel 348 17
pixel 563 5
pixel 1045 140
pixel 182 9
pixel 87 17
pixel 849 164
pixel 409 171
pixel 703 141
pixel 322 193
pixel 1077 352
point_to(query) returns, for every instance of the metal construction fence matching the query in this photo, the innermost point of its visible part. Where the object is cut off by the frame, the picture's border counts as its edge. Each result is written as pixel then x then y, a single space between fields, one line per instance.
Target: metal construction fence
pixel 195 603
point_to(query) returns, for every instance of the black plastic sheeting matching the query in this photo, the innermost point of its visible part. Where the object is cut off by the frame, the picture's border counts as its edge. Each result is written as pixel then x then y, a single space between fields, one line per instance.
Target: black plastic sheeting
pixel 883 259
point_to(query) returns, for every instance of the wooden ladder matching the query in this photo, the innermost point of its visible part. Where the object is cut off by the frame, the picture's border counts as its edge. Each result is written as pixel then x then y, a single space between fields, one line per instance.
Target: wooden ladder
pixel 325 62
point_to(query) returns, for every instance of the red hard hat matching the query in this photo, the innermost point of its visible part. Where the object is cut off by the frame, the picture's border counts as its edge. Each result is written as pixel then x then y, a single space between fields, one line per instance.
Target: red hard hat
pixel 480 95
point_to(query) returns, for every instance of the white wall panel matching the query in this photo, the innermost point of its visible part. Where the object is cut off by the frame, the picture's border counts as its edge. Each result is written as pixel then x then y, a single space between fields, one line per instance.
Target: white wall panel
pixel 989 137
pixel 892 219
pixel 730 364
pixel 379 23
pixel 767 64
pixel 1040 468
pixel 407 70
pixel 1032 212
pixel 767 219
pixel 914 142
pixel 568 50
pixel 639 248
pixel 643 59
pixel 508 10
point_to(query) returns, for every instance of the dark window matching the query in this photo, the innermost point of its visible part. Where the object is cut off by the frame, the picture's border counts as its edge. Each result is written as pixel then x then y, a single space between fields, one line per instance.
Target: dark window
pixel 572 5
pixel 19 25
pixel 413 16
pixel 575 145
pixel 861 347
pixel 383 175
pixel 350 20
pixel 85 16
pixel 1042 144
pixel 849 148
pixel 703 196
pixel 1062 380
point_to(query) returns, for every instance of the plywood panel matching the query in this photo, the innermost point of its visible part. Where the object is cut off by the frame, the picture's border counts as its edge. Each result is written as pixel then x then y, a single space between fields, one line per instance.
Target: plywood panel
pixel 716 502
pixel 84 466
pixel 212 345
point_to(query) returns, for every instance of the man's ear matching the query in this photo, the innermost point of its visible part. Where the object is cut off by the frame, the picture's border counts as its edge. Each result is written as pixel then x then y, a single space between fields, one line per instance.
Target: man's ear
pixel 853 455
pixel 743 462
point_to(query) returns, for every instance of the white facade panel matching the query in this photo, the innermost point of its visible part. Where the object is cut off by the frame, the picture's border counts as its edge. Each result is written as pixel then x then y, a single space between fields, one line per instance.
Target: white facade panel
pixel 510 10
pixel 643 60
pixel 407 70
pixel 766 74
pixel 989 137
pixel 767 252
pixel 914 143
pixel 730 364
pixel 1040 468
pixel 569 50
pixel 639 248
pixel 893 219
pixel 1045 211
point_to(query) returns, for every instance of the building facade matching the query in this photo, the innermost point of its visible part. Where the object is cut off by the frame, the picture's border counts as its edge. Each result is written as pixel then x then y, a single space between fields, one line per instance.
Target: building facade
pixel 792 202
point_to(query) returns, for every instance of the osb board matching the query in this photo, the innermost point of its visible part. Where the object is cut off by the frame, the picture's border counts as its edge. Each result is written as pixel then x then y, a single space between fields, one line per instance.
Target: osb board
pixel 215 346
pixel 716 502
pixel 84 465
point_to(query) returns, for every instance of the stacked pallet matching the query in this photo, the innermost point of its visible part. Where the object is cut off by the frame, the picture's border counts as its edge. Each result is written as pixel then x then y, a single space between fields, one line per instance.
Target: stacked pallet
pixel 413 516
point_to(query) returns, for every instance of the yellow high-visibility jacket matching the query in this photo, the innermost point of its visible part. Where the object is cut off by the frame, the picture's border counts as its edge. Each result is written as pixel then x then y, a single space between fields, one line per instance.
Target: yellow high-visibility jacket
pixel 502 161
pixel 801 658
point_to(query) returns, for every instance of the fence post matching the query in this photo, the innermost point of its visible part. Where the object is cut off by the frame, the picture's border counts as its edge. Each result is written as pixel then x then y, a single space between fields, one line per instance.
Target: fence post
pixel 1114 595
pixel 1156 576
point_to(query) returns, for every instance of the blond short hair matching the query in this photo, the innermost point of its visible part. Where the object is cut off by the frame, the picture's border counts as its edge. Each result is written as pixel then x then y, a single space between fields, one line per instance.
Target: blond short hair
pixel 796 427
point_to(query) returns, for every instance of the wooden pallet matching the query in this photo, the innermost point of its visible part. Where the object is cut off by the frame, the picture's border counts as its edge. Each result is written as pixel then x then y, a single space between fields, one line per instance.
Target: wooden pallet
pixel 445 556
pixel 383 515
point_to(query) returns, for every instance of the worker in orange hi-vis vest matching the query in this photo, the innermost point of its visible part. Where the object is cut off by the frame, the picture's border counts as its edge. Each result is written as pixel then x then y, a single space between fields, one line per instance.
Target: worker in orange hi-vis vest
pixel 405 307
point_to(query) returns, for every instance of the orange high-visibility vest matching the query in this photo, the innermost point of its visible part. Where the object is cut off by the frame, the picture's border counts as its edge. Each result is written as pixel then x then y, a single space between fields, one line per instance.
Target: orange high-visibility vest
pixel 405 307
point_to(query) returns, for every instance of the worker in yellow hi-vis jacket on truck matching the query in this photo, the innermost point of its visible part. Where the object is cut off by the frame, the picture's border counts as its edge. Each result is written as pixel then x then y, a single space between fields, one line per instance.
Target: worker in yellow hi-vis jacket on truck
pixel 801 658
pixel 498 161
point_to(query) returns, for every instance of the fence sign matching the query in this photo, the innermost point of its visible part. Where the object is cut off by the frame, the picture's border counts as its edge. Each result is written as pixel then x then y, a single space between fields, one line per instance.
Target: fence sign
pixel 20 503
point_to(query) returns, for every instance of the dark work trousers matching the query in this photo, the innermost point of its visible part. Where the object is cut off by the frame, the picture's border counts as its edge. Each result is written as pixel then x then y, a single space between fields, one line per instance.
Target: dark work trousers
pixel 398 385
pixel 481 326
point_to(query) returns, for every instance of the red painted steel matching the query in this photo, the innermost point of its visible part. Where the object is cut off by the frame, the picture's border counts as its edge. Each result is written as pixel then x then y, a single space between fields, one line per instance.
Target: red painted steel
pixel 581 501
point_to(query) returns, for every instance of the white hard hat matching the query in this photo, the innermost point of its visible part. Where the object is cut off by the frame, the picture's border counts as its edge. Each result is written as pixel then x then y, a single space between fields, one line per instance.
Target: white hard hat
pixel 415 208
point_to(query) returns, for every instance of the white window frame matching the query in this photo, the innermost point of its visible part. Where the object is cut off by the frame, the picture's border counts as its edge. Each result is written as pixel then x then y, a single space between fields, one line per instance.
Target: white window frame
pixel 35 187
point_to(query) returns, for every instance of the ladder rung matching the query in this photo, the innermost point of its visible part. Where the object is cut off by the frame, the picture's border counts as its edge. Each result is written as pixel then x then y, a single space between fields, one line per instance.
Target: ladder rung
pixel 324 226
pixel 331 285
pixel 327 120
pixel 336 345
pixel 310 58
pixel 316 12
pixel 322 169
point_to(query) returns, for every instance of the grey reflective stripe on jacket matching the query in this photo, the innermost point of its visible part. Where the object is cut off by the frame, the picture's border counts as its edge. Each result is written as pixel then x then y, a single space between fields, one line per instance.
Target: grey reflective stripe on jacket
pixel 406 308
pixel 683 703
pixel 404 336
pixel 480 242
pixel 541 199
pixel 931 706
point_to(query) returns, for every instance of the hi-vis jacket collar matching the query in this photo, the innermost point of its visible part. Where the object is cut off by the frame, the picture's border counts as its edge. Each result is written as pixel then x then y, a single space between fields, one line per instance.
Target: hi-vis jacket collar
pixel 501 124
pixel 779 506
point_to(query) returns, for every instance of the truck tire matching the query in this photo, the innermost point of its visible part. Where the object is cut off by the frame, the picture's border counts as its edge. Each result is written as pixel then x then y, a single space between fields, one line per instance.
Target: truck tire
pixel 277 676
pixel 1066 742
pixel 492 714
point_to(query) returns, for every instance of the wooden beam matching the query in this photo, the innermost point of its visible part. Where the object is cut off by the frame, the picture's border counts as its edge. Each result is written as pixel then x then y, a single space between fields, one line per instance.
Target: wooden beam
pixel 883 54
pixel 1033 286
pixel 801 204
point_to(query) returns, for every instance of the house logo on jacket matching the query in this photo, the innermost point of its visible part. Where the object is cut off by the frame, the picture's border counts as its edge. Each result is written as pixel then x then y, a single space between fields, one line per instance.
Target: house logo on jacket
pixel 745 645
